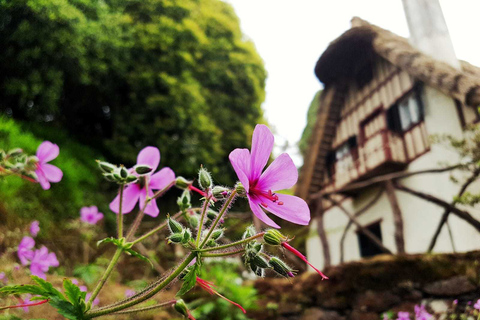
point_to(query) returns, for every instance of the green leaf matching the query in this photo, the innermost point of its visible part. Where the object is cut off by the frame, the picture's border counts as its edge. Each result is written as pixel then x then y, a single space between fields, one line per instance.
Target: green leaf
pixel 138 255
pixel 189 280
pixel 72 292
pixel 66 309
pixel 48 288
pixel 109 240
pixel 21 289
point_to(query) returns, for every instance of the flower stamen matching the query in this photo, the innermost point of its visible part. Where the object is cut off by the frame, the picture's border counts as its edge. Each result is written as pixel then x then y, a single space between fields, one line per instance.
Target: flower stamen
pixel 207 286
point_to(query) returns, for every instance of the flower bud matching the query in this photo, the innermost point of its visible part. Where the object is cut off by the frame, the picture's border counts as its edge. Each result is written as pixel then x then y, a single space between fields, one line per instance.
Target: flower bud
pixel 273 237
pixel 123 172
pixel 181 307
pixel 217 234
pixel 130 178
pixel 281 267
pixel 240 189
pixel 259 262
pixel 15 152
pixel 220 192
pixel 143 169
pixel 187 236
pixel 174 226
pixel 204 179
pixel 182 183
pixel 106 167
pixel 175 238
pixel 117 177
pixel 211 243
pixel 184 200
pixel 249 232
pixel 192 220
pixel 109 177
pixel 212 214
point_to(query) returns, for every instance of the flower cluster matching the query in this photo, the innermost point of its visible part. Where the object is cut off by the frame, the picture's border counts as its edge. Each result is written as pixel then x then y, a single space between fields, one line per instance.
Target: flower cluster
pixel 40 260
pixel 90 215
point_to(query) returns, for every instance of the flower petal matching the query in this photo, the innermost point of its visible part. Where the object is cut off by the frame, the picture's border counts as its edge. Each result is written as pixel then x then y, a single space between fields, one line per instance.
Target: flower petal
pixel 47 151
pixel 262 145
pixel 152 208
pixel 293 209
pixel 52 173
pixel 42 179
pixel 130 198
pixel 162 179
pixel 257 210
pixel 281 174
pixel 149 156
pixel 240 160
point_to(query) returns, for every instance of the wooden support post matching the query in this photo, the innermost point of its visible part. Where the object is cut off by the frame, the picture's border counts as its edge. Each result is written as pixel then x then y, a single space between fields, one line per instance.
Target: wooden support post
pixel 361 229
pixel 397 216
pixel 318 214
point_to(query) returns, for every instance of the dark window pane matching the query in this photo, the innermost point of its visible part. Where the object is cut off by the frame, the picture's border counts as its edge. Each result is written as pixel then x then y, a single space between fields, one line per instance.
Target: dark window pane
pixel 367 247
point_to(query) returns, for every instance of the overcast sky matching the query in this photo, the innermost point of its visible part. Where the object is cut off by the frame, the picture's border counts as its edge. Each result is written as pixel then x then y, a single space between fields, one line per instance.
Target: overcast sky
pixel 291 35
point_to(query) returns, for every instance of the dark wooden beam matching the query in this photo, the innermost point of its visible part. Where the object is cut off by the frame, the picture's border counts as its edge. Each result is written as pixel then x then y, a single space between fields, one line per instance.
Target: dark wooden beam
pixel 397 216
pixel 462 214
pixel 318 214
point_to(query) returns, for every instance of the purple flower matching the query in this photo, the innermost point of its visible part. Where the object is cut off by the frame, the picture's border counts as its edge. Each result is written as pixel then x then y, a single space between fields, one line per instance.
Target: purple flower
pixel 129 293
pixel 25 251
pixel 34 228
pixel 261 187
pixel 455 302
pixel 403 316
pixel 47 173
pixel 421 313
pixel 90 215
pixel 42 261
pixel 477 305
pixel 26 300
pixel 135 192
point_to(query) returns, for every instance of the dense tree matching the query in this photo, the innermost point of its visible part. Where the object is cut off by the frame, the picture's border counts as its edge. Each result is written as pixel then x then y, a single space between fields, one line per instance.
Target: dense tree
pixel 124 74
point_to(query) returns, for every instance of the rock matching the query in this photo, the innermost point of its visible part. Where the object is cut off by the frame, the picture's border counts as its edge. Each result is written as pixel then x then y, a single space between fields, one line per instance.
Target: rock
pixel 375 301
pixel 359 315
pixel 450 287
pixel 319 314
pixel 334 302
pixel 439 306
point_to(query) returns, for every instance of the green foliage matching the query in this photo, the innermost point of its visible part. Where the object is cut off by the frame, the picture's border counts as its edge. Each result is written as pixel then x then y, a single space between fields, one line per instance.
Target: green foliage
pixel 89 273
pixel 311 119
pixel 125 74
pixel 226 278
pixel 126 247
pixel 189 279
pixel 24 200
pixel 71 306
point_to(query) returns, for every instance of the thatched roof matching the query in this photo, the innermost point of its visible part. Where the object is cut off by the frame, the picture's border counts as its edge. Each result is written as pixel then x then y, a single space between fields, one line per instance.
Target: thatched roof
pixel 351 56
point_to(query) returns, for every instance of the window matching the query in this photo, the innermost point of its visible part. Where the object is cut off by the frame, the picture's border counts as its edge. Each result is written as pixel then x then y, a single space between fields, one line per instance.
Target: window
pixel 406 113
pixel 367 247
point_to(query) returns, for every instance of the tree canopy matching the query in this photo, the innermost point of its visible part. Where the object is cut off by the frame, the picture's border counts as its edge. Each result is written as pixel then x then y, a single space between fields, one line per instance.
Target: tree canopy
pixel 121 75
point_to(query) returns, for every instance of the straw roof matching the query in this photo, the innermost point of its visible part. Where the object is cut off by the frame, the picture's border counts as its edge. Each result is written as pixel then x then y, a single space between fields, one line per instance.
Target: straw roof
pixel 349 57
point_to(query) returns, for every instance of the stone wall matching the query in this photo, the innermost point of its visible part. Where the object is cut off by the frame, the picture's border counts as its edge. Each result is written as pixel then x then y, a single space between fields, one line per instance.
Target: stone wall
pixel 364 290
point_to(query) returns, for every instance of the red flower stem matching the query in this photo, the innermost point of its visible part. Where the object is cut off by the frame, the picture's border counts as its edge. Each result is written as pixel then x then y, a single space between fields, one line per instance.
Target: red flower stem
pixel 26 305
pixel 193 188
pixel 18 174
pixel 207 287
pixel 301 256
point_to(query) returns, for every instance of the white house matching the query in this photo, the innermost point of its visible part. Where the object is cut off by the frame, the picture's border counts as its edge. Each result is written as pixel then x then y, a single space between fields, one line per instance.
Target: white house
pixel 383 97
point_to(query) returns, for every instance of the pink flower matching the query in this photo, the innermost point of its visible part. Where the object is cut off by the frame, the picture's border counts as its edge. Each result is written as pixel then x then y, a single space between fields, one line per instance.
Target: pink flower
pixel 129 293
pixel 421 313
pixel 47 173
pixel 3 278
pixel 42 261
pixel 477 305
pixel 207 286
pixel 135 192
pixel 90 215
pixel 25 252
pixel 34 228
pixel 261 187
pixel 403 316
pixel 95 301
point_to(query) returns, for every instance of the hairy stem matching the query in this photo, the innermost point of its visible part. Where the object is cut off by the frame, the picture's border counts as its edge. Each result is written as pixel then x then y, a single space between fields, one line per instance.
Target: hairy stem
pixel 233 244
pixel 155 230
pixel 219 217
pixel 160 305
pixel 105 276
pixel 206 204
pixel 108 310
pixel 223 254
pixel 120 215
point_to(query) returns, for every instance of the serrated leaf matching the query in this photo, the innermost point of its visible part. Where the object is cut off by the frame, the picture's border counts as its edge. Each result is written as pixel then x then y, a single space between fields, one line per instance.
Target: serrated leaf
pixel 108 240
pixel 189 280
pixel 50 291
pixel 66 309
pixel 21 289
pixel 72 292
pixel 138 255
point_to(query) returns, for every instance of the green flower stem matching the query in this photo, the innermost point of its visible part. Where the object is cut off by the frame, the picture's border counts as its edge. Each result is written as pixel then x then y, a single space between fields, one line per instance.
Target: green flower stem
pixel 222 254
pixel 155 230
pixel 232 244
pixel 220 215
pixel 108 310
pixel 105 276
pixel 120 215
pixel 141 213
pixel 206 204
pixel 161 305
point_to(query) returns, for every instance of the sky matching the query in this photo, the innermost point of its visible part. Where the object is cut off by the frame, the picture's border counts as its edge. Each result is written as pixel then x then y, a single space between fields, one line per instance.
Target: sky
pixel 290 36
